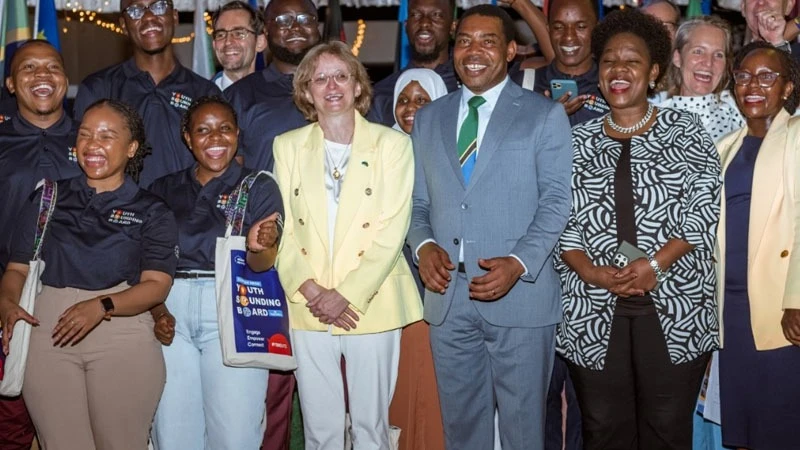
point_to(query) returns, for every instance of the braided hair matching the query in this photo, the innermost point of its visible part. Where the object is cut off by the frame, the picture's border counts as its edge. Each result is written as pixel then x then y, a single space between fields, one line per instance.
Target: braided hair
pixel 135 124
pixel 789 69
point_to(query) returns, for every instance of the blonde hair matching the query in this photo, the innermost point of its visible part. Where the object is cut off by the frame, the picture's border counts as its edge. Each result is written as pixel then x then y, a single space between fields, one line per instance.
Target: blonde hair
pixel 674 77
pixel 305 72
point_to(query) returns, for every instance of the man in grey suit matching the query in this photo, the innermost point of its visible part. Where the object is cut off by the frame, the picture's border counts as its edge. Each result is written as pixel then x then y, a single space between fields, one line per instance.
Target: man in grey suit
pixel 491 197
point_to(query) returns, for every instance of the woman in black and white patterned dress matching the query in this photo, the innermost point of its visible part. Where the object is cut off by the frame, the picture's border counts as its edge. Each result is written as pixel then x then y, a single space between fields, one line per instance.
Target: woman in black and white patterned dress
pixel 638 338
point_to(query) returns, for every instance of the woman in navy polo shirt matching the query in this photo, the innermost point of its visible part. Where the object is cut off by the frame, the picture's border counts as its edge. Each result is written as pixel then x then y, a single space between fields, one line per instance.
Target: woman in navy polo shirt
pixel 205 403
pixel 95 371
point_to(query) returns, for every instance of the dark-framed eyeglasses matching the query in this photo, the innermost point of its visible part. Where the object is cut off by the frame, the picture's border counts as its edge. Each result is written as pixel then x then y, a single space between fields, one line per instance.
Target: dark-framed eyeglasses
pixel 286 20
pixel 765 79
pixel 238 34
pixel 340 78
pixel 158 8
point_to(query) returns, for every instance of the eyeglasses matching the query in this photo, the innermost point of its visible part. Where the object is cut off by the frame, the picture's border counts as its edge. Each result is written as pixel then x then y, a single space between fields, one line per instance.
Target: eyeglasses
pixel 158 8
pixel 765 79
pixel 288 19
pixel 340 78
pixel 238 34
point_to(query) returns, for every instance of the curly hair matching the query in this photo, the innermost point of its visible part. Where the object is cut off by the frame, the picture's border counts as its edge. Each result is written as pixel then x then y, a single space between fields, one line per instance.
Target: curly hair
pixel 305 71
pixel 135 124
pixel 674 77
pixel 789 69
pixel 648 29
pixel 186 121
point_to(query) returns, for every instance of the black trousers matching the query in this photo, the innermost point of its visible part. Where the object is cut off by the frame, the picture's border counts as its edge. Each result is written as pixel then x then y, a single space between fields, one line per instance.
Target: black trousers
pixel 640 400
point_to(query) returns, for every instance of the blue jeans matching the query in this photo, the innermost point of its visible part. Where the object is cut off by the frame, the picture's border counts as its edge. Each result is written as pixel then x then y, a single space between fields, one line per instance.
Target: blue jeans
pixel 205 404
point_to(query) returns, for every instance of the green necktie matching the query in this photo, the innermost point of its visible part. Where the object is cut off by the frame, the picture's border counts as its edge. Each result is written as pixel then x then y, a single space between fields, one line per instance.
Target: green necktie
pixel 468 138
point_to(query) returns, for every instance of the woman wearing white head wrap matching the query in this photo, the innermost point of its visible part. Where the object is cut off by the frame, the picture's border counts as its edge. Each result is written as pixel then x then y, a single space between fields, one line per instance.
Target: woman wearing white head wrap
pixel 415 407
pixel 414 89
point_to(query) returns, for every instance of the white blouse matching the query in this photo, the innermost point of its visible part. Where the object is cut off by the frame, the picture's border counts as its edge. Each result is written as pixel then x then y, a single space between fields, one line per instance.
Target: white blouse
pixel 718 112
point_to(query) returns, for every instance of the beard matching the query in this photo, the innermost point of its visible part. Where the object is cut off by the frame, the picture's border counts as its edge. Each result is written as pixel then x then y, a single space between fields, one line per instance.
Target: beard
pixel 283 54
pixel 426 57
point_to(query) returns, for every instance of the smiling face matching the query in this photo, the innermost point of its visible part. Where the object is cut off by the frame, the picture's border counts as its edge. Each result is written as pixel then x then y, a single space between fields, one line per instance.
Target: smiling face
pixel 751 9
pixel 104 146
pixel 428 27
pixel 331 98
pixel 151 34
pixel 625 71
pixel 212 137
pixel 411 98
pixel 482 54
pixel 701 61
pixel 571 25
pixel 758 103
pixel 39 82
pixel 235 55
pixel 291 44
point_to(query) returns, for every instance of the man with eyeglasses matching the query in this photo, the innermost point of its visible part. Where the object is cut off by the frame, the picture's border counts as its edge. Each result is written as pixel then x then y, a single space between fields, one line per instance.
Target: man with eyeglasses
pixel 263 100
pixel 766 21
pixel 238 37
pixel 153 82
pixel 666 12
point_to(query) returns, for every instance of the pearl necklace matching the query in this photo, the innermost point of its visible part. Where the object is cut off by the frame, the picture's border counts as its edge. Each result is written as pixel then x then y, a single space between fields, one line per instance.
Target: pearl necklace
pixel 632 129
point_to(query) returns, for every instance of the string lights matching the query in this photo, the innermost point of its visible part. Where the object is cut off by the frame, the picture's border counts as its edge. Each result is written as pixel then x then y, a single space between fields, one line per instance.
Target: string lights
pixel 361 31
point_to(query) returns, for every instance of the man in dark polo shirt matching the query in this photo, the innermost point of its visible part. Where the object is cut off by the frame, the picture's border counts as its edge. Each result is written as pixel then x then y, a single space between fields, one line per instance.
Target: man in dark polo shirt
pixel 263 100
pixel 570 24
pixel 153 82
pixel 429 26
pixel 37 140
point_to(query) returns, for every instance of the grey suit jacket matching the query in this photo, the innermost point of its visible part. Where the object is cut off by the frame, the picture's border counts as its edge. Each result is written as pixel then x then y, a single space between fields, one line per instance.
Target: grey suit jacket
pixel 518 200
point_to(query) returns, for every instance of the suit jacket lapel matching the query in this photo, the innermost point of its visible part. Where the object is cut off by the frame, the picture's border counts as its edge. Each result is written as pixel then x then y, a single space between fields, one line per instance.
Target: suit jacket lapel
pixel 507 106
pixel 356 181
pixel 449 131
pixel 312 168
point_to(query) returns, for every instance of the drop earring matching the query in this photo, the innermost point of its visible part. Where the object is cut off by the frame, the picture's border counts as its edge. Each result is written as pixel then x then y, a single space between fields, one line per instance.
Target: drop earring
pixel 652 84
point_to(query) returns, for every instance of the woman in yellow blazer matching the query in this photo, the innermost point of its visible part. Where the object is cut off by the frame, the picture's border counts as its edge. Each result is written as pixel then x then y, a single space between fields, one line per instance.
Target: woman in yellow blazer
pixel 758 256
pixel 346 184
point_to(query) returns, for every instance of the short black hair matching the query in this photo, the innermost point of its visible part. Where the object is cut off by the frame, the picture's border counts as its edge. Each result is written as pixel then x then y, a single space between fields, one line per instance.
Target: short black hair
pixel 273 3
pixel 451 5
pixel 202 101
pixel 30 42
pixel 509 29
pixel 648 29
pixel 553 3
pixel 256 17
pixel 135 124
pixel 789 69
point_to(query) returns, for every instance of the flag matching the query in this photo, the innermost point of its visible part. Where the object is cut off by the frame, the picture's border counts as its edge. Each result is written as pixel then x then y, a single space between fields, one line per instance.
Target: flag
pixel 202 57
pixel 403 56
pixel 46 22
pixel 334 27
pixel 694 9
pixel 15 31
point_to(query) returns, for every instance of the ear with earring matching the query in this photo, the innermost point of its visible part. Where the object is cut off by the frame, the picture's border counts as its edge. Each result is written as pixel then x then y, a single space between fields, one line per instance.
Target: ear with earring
pixel 652 84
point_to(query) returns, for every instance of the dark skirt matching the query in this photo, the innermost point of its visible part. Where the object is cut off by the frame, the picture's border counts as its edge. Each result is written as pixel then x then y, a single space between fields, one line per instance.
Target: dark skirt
pixel 759 390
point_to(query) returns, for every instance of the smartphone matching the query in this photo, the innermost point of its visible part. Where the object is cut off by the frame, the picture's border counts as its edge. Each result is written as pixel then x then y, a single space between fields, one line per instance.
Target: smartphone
pixel 626 253
pixel 560 87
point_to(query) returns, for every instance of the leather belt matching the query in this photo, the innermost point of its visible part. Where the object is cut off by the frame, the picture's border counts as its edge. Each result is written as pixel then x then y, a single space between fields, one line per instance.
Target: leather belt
pixel 193 275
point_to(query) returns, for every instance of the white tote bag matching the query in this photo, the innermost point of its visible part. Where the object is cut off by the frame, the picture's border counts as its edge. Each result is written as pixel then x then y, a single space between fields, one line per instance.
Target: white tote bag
pixel 252 313
pixel 14 366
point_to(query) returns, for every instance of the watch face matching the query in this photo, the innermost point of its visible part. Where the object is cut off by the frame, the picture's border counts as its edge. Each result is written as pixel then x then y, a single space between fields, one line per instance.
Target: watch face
pixel 108 304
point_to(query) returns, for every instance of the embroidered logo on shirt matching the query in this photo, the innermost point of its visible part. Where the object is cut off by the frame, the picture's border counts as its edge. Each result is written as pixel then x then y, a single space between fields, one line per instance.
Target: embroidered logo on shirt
pixel 177 252
pixel 222 201
pixel 181 101
pixel 4 118
pixel 123 217
pixel 596 104
pixel 72 154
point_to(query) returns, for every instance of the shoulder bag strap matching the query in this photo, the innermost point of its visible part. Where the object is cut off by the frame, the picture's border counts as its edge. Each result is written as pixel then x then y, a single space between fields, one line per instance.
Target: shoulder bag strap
pixel 46 206
pixel 235 211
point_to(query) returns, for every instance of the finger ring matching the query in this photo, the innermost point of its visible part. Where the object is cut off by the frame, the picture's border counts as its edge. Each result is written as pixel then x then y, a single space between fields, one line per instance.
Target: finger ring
pixel 492 291
pixel 72 322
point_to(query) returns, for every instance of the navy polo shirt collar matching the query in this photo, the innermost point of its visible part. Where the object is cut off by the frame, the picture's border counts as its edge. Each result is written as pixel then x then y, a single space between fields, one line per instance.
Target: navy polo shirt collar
pixel 272 74
pixel 131 70
pixel 230 177
pixel 62 127
pixel 126 192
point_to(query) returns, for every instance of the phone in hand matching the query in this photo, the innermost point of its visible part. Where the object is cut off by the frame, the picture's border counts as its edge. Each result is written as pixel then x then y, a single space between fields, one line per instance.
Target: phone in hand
pixel 560 87
pixel 627 253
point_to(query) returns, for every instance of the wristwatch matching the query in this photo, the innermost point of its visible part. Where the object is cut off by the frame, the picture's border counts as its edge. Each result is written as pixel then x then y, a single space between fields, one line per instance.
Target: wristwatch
pixel 108 306
pixel 660 274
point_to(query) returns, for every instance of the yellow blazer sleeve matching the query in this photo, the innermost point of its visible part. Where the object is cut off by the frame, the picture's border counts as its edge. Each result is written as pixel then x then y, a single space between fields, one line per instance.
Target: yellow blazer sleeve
pixel 791 295
pixel 292 267
pixel 380 257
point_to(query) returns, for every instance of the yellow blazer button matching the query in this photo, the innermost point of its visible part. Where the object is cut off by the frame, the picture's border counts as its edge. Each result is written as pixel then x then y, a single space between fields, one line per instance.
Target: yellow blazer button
pixel 361 253
pixel 368 191
pixel 301 221
pixel 303 251
pixel 296 192
pixel 784 253
pixel 366 225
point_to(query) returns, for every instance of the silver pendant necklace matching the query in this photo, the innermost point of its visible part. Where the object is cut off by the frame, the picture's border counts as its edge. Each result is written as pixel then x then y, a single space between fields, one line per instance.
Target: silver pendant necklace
pixel 632 129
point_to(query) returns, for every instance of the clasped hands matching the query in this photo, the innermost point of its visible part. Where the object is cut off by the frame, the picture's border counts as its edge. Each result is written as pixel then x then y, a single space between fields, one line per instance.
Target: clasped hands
pixel 502 273
pixel 633 280
pixel 72 326
pixel 329 306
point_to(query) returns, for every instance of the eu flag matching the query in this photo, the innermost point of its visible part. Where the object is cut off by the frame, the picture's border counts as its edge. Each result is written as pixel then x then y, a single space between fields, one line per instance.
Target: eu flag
pixel 47 22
